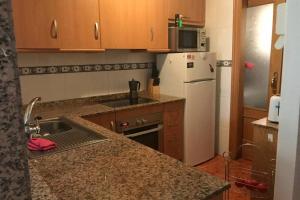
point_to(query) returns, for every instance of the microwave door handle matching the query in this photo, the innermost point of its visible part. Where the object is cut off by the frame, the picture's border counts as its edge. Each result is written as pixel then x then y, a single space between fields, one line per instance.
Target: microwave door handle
pixel 160 127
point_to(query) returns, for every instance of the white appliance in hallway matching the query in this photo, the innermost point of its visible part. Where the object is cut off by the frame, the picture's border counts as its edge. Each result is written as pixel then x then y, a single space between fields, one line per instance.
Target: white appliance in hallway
pixel 193 76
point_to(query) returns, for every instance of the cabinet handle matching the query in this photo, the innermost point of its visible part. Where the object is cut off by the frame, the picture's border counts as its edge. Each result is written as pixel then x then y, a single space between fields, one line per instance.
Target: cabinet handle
pixel 96 30
pixel 152 34
pixel 112 126
pixel 54 29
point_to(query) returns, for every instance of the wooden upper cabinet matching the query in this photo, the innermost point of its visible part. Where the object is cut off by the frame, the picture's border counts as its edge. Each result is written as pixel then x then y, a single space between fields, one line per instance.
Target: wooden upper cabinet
pixel 123 24
pixel 252 3
pixel 197 14
pixel 177 7
pixel 78 24
pixel 35 24
pixel 91 24
pixel 157 24
pixel 192 10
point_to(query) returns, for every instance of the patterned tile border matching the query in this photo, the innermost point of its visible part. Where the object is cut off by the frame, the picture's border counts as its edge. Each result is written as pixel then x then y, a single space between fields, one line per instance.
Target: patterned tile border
pixel 224 63
pixel 95 68
pixel 83 68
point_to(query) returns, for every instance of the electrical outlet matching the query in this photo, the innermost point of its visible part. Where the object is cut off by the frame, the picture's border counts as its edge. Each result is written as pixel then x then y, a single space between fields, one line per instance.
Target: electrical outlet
pixel 270 137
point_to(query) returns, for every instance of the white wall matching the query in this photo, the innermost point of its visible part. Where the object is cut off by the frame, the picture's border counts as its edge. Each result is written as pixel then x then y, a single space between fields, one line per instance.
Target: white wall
pixel 219 24
pixel 53 87
pixel 287 183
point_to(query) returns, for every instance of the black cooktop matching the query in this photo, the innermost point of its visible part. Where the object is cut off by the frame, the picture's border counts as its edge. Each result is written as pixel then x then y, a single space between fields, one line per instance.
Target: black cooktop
pixel 126 102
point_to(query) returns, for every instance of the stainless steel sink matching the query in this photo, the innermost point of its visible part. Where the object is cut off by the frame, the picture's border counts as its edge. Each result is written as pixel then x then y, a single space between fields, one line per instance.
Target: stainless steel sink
pixel 54 126
pixel 66 134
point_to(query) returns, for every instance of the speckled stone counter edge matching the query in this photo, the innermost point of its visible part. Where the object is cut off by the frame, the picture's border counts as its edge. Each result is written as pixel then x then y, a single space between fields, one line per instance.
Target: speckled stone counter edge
pixel 14 174
pixel 40 188
pixel 92 105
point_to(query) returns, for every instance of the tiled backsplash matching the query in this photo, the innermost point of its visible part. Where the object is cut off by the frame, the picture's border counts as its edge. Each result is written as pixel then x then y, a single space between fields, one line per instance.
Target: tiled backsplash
pixel 56 77
pixel 107 57
pixel 53 87
pixel 224 63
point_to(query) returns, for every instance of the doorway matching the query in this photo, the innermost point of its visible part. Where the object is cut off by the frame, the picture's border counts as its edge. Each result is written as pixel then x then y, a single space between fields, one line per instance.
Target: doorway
pixel 256 69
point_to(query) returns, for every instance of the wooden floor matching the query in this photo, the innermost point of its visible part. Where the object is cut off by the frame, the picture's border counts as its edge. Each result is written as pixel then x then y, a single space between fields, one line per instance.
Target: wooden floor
pixel 216 167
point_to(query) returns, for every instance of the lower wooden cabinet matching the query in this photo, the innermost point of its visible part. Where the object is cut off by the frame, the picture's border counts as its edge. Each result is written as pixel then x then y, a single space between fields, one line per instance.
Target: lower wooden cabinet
pixel 173 129
pixel 265 139
pixel 217 197
pixel 106 120
pixel 170 142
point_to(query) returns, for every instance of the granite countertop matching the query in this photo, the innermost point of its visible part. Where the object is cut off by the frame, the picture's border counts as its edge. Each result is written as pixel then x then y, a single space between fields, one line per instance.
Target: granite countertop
pixel 264 122
pixel 92 105
pixel 117 168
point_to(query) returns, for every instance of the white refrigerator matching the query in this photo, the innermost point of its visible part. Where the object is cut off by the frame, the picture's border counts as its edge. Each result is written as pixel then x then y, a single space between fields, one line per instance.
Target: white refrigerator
pixel 193 77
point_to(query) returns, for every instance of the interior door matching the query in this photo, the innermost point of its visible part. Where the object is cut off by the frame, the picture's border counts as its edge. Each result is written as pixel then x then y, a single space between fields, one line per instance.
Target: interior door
pixel 262 80
pixel 199 134
pixel 79 26
pixel 36 24
pixel 123 24
pixel 238 108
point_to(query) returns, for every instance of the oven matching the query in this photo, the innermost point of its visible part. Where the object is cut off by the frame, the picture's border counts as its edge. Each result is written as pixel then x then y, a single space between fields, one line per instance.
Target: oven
pixel 146 129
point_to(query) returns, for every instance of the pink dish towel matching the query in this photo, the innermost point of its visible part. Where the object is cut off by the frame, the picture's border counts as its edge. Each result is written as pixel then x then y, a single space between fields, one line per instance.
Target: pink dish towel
pixel 40 144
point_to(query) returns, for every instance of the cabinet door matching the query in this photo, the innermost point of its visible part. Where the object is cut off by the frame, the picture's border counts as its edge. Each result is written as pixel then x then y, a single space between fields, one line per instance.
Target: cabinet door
pixel 107 120
pixel 197 11
pixel 192 10
pixel 35 24
pixel 173 129
pixel 157 24
pixel 79 24
pixel 177 7
pixel 264 159
pixel 123 24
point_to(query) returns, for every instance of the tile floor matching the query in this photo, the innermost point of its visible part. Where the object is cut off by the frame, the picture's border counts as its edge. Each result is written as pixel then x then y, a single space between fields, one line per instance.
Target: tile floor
pixel 216 167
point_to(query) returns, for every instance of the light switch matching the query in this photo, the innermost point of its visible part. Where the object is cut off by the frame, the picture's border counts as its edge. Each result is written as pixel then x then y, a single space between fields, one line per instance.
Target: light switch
pixel 270 137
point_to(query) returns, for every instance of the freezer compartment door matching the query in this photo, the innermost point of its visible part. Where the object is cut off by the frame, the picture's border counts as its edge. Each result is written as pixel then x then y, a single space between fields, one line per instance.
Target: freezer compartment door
pixel 200 66
pixel 199 133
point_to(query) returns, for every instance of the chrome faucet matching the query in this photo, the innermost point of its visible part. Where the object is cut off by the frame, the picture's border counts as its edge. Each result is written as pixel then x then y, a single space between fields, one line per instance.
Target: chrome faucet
pixel 31 126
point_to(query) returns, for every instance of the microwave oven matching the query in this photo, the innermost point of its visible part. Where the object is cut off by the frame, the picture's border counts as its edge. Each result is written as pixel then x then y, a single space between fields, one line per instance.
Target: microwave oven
pixel 187 39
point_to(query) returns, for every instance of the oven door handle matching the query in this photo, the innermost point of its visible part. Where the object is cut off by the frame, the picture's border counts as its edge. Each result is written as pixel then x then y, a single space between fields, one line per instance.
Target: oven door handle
pixel 160 127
